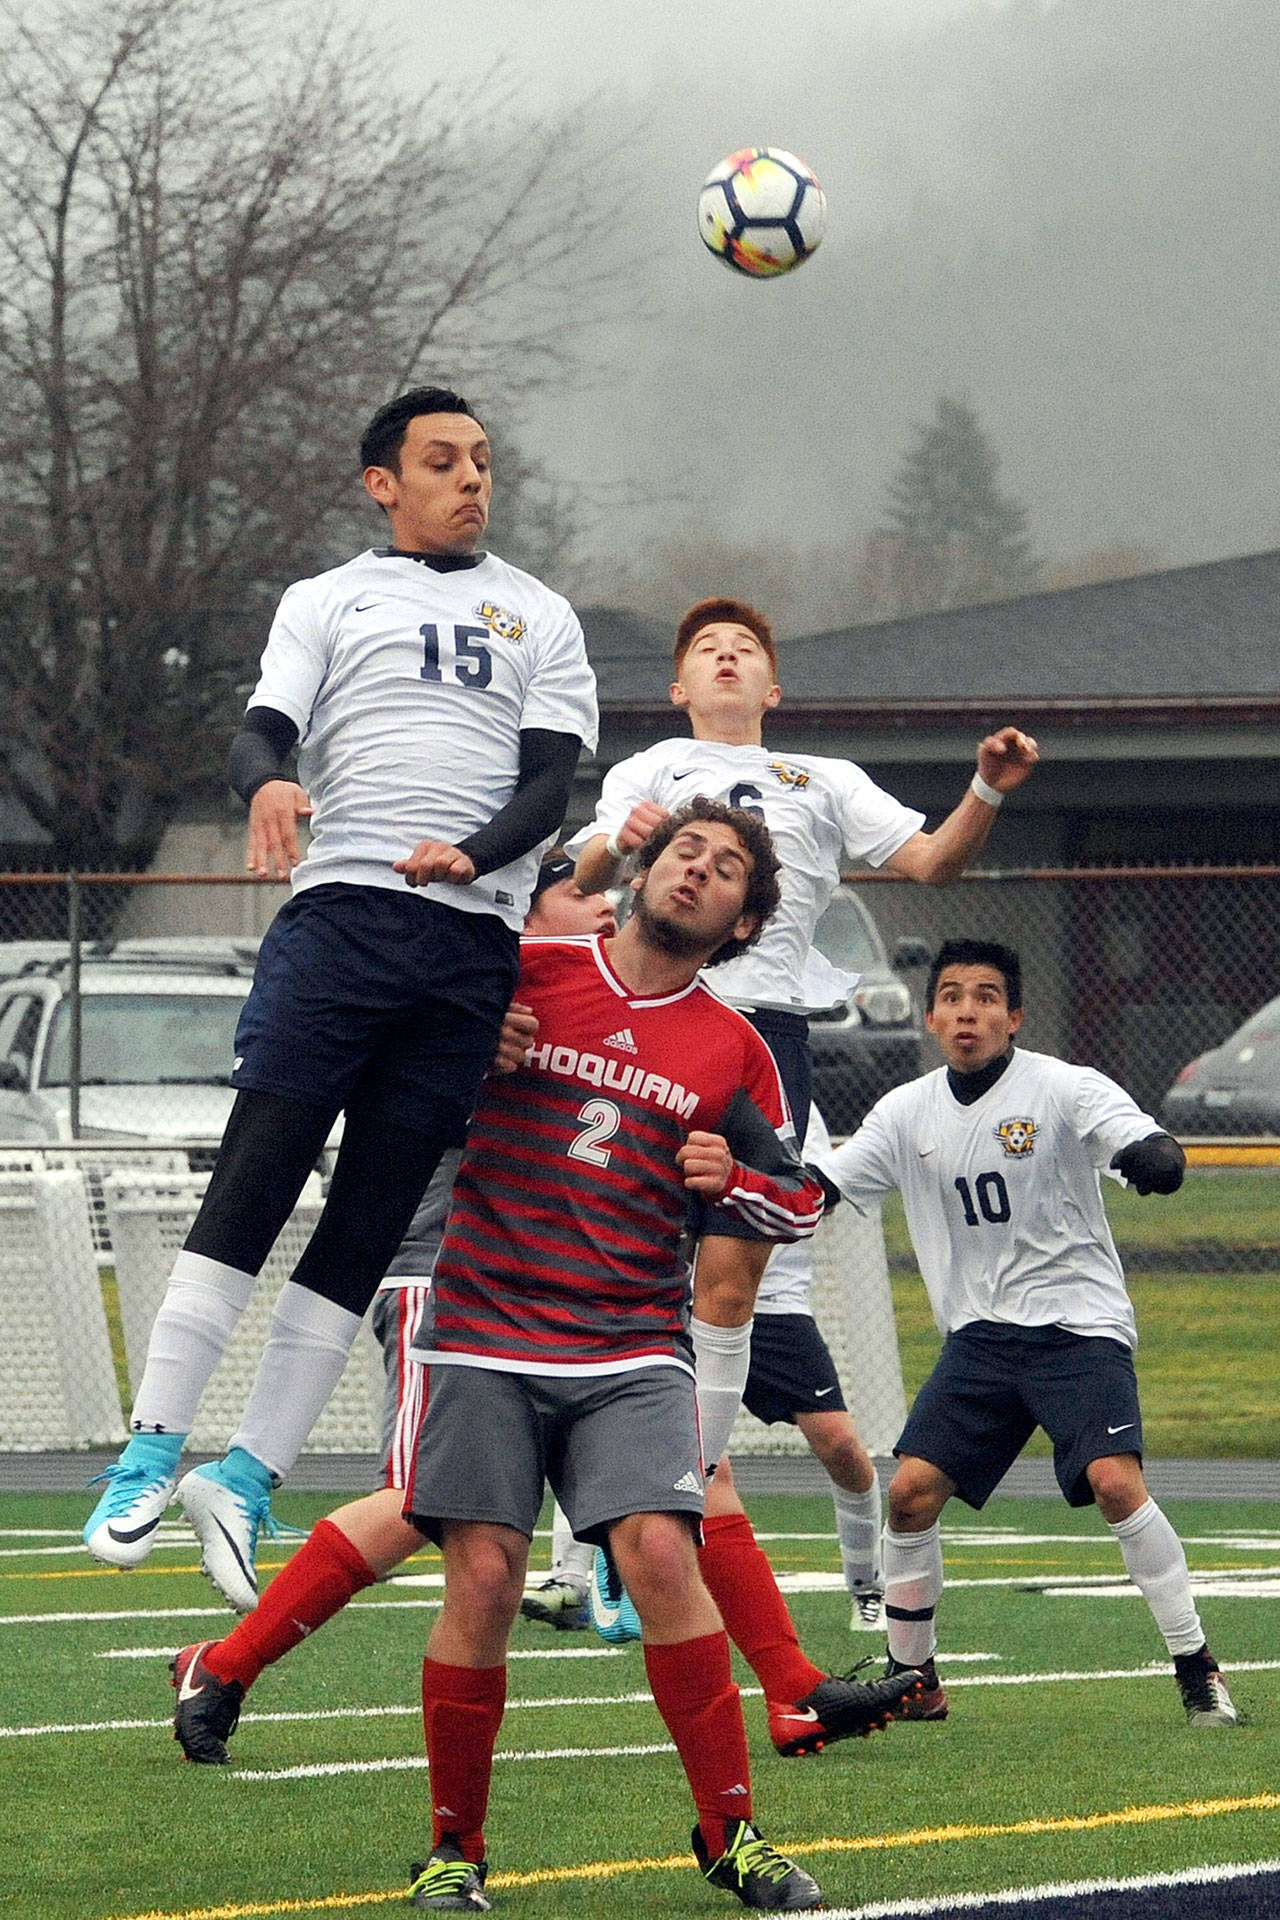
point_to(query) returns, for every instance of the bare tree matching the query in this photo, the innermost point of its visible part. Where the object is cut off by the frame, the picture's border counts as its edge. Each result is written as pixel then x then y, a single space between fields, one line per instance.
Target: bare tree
pixel 220 248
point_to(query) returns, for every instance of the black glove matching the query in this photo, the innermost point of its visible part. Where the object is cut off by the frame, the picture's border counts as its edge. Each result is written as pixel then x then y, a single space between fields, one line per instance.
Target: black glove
pixel 1153 1165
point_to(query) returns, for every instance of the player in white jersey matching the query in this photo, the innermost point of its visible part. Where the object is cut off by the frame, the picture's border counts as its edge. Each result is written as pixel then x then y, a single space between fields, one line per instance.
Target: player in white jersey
pixel 821 813
pixel 998 1157
pixel 439 699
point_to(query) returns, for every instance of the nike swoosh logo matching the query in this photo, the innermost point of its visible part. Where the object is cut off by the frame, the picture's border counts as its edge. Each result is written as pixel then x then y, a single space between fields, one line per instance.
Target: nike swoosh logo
pixel 186 1691
pixel 126 1535
pixel 806 1714
pixel 686 775
pixel 245 1569
pixel 924 1150
pixel 820 1393
pixel 368 606
pixel 1123 1428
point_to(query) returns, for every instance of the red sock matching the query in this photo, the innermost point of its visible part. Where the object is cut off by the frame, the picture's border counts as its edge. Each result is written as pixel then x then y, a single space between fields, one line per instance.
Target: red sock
pixel 317 1583
pixel 740 1580
pixel 461 1713
pixel 693 1689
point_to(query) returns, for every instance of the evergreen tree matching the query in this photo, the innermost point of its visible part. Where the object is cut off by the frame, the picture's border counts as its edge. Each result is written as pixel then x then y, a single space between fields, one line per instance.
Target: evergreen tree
pixel 951 539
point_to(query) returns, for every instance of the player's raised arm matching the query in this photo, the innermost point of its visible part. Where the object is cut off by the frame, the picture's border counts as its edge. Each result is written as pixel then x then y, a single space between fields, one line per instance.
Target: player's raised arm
pixel 600 859
pixel 1005 759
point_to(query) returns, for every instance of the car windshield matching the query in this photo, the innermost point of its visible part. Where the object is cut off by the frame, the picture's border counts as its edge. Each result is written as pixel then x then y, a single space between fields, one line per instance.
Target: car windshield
pixel 1263 1025
pixel 141 1039
pixel 846 937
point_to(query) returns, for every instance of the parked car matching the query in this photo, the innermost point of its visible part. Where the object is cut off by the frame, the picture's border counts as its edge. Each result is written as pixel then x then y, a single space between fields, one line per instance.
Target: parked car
pixel 862 1049
pixel 158 1020
pixel 1234 1088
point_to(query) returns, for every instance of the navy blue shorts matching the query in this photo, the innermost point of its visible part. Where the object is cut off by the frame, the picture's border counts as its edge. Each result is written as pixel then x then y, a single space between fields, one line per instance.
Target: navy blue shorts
pixel 787 1037
pixel 994 1385
pixel 791 1370
pixel 365 998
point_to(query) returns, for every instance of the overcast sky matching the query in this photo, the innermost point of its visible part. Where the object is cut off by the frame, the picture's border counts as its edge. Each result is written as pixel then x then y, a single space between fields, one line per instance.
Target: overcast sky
pixel 1063 211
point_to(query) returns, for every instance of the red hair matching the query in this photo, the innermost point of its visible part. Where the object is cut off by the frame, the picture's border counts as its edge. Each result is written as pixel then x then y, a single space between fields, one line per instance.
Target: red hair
pixel 716 612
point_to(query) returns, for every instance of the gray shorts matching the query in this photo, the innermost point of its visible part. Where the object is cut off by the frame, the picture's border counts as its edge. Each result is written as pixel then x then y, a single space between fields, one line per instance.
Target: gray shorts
pixel 609 1445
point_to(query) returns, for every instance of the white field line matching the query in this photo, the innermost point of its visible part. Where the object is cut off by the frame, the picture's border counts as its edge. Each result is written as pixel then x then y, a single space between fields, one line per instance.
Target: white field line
pixel 1155 1670
pixel 1057 1890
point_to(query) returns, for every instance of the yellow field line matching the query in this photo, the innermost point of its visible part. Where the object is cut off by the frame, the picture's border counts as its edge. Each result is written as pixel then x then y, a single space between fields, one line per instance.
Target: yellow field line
pixel 868 1843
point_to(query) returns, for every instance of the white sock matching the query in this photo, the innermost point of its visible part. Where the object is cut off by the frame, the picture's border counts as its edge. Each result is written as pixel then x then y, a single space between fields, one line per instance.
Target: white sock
pixel 912 1590
pixel 858 1518
pixel 723 1357
pixel 570 1559
pixel 1156 1564
pixel 197 1317
pixel 301 1365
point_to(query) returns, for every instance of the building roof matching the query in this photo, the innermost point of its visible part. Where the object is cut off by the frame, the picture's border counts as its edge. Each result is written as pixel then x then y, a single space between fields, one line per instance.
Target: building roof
pixel 1190 635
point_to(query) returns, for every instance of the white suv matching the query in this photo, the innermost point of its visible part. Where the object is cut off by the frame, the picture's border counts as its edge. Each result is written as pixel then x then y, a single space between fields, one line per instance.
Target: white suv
pixel 158 1021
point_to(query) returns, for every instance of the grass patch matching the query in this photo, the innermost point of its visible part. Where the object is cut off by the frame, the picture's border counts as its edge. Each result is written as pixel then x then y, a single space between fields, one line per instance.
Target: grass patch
pixel 108 1822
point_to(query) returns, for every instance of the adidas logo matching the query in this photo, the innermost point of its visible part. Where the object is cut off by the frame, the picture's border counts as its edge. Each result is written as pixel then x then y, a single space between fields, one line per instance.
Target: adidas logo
pixel 687 1483
pixel 624 1040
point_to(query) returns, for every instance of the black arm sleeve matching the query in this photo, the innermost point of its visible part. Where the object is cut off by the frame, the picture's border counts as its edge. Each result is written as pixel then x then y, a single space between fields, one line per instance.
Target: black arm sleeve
pixel 538 805
pixel 754 1143
pixel 259 750
pixel 1153 1165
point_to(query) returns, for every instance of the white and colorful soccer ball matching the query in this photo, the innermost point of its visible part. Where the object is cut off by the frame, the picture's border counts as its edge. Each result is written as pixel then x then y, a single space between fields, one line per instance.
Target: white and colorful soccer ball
pixel 761 211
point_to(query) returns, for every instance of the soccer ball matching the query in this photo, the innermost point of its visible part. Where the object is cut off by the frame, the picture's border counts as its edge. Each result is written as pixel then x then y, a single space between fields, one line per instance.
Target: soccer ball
pixel 761 211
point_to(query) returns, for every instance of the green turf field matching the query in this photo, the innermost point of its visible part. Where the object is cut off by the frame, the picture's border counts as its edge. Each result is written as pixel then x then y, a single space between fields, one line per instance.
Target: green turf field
pixel 1087 1769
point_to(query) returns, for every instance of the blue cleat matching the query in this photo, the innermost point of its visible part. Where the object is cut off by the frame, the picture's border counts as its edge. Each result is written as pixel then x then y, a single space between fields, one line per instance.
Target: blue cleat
pixel 612 1613
pixel 140 1485
pixel 226 1503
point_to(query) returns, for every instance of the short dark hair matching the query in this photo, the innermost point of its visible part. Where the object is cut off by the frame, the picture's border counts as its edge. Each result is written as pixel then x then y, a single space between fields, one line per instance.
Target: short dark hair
pixel 718 612
pixel 978 953
pixel 382 439
pixel 763 892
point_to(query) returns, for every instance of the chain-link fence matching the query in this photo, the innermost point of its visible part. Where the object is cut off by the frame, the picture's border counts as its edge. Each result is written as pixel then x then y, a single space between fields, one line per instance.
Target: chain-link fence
pixel 1138 971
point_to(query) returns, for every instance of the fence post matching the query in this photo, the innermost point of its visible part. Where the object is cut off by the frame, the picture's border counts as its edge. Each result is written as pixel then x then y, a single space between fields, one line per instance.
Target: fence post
pixel 73 983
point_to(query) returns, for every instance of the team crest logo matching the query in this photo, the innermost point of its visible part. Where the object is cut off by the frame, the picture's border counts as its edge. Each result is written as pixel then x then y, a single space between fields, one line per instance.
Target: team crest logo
pixel 788 776
pixel 1017 1136
pixel 507 626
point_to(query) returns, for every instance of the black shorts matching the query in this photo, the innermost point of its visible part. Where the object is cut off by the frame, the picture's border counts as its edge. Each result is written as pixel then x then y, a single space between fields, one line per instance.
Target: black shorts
pixel 609 1444
pixel 791 1369
pixel 368 997
pixel 787 1037
pixel 994 1385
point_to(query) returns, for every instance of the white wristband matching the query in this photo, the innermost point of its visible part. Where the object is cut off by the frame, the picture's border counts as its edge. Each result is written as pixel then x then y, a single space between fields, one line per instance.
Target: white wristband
pixel 612 848
pixel 992 795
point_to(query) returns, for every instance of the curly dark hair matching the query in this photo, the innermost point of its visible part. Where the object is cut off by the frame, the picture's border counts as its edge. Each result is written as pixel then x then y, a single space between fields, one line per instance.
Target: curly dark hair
pixel 763 892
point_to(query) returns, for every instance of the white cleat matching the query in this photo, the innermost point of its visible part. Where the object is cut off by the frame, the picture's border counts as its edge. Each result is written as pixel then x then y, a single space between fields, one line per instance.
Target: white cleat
pixel 225 1517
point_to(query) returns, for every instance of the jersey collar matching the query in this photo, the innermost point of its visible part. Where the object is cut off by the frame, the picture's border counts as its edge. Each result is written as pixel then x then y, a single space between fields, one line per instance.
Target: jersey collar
pixel 968 1087
pixel 624 992
pixel 438 562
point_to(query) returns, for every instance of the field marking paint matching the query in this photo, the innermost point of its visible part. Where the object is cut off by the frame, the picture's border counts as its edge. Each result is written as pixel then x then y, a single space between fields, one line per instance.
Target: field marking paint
pixel 1054 1890
pixel 417 1762
pixel 1154 1671
pixel 679 1862
pixel 513 1653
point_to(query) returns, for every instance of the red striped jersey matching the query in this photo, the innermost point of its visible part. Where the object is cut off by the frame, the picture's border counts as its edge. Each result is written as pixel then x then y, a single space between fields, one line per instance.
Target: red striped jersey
pixel 563 1247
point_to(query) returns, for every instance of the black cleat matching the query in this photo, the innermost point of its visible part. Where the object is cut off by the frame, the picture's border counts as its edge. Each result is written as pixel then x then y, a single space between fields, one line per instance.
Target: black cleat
pixel 1204 1691
pixel 842 1708
pixel 931 1703
pixel 208 1710
pixel 758 1873
pixel 446 1883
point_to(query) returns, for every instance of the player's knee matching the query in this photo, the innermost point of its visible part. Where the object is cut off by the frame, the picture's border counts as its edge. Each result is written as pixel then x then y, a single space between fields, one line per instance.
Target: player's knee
pixel 1118 1486
pixel 726 1279
pixel 917 1495
pixel 485 1569
pixel 837 1446
pixel 656 1557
